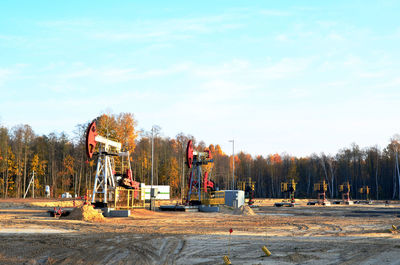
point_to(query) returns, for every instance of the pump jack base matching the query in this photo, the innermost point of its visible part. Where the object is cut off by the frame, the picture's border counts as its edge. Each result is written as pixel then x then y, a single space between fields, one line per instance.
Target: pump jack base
pixel 179 208
pixel 286 204
pixel 325 203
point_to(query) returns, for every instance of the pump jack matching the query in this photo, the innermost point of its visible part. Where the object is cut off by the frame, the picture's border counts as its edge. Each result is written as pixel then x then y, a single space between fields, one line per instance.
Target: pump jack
pixel 290 188
pixel 365 190
pixel 345 190
pixel 321 188
pixel 194 161
pixel 248 187
pixel 106 179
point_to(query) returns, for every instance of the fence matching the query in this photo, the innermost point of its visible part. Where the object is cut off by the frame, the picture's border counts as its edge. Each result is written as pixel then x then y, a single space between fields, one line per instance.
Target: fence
pixel 122 198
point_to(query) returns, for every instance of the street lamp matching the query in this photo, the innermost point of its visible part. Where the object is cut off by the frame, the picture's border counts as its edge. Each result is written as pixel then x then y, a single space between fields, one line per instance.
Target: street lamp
pixel 233 163
pixel 152 165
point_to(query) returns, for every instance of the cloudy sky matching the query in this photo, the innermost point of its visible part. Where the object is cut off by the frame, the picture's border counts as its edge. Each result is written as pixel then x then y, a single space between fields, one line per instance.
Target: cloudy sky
pixel 277 76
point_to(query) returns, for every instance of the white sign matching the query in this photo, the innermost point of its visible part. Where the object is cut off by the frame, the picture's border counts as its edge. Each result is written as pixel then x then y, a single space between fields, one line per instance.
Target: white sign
pixel 163 191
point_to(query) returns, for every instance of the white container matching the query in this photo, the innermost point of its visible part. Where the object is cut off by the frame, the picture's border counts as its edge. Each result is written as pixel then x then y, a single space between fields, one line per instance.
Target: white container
pixel 162 194
pixel 234 198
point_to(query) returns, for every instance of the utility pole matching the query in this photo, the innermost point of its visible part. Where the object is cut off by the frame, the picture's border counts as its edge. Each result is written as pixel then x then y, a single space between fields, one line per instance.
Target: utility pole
pixel 233 163
pixel 152 165
pixel 183 179
pixel 397 165
pixel 33 184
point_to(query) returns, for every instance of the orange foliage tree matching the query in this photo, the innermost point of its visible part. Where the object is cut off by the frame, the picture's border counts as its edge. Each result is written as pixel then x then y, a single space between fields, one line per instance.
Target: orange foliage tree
pixel 120 128
pixel 12 170
pixel 39 166
pixel 67 173
pixel 126 133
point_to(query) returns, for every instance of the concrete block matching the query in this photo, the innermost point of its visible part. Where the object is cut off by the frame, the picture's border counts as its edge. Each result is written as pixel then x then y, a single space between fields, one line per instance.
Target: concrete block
pixel 106 211
pixel 208 209
pixel 120 213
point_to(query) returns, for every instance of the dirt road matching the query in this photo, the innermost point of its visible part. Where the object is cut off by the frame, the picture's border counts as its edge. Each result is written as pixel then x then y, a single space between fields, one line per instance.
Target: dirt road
pixel 299 235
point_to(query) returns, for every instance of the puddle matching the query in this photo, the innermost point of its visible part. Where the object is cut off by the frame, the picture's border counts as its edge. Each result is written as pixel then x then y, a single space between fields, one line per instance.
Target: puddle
pixel 277 214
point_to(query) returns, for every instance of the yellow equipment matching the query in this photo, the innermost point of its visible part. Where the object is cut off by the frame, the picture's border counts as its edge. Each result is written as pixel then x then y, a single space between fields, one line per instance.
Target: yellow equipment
pixel 364 190
pixel 266 251
pixel 345 190
pixel 289 187
pixel 321 188
pixel 227 261
pixel 248 187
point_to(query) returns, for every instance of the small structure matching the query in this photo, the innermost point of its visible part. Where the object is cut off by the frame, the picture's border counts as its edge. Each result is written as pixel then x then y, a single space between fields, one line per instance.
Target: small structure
pixel 162 192
pixel 234 198
pixel 47 191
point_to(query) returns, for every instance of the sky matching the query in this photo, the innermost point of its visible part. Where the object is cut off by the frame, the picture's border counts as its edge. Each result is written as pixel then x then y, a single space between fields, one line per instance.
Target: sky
pixel 295 77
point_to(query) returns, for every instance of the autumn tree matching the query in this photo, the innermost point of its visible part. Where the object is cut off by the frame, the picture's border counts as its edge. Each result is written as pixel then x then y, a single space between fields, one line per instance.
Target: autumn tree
pixel 67 173
pixel 38 166
pixel 4 140
pixel 126 131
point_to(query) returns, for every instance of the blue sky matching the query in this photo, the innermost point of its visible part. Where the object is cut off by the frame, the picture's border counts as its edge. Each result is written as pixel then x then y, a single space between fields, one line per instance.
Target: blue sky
pixel 277 76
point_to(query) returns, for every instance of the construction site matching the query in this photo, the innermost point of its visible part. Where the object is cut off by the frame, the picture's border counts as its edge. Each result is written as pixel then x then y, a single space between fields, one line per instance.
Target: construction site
pixel 122 221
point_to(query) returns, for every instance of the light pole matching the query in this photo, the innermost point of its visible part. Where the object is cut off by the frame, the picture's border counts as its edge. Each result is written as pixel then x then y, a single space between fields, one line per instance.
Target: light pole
pixel 183 174
pixel 233 163
pixel 397 164
pixel 152 164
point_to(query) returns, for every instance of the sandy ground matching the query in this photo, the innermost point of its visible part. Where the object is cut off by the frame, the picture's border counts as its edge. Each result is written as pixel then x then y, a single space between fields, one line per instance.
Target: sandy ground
pixel 357 234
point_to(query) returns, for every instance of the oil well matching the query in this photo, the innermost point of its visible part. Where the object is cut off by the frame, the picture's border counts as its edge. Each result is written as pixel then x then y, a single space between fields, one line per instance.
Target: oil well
pixel 248 186
pixel 288 189
pixel 201 191
pixel 114 191
pixel 364 193
pixel 344 189
pixel 320 188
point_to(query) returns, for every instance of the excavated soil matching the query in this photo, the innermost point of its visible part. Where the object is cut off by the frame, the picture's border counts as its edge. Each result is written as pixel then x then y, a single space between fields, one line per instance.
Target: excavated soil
pixel 86 213
pixel 244 210
pixel 356 234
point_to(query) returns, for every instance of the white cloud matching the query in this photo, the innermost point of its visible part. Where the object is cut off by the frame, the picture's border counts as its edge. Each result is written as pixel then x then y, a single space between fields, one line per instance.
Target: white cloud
pixel 335 37
pixel 67 23
pixel 282 37
pixel 78 77
pixel 285 68
pixel 274 13
pixel 393 82
pixel 376 74
pixel 4 75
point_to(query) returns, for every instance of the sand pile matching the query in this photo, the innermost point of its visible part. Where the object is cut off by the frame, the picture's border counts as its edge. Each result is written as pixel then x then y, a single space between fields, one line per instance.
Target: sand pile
pixel 244 210
pixel 226 209
pixel 86 213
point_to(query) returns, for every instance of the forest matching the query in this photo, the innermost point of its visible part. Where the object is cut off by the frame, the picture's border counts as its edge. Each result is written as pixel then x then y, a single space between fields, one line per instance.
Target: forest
pixel 60 161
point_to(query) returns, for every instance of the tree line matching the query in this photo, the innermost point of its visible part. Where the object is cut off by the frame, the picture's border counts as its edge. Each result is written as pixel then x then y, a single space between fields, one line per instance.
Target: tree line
pixel 60 161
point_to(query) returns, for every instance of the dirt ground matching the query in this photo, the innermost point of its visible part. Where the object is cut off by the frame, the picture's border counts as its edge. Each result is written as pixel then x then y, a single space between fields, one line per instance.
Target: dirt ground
pixel 356 234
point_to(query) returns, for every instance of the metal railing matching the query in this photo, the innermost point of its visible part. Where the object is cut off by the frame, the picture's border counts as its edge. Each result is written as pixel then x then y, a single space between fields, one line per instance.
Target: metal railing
pixel 122 198
pixel 213 198
pixel 129 198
